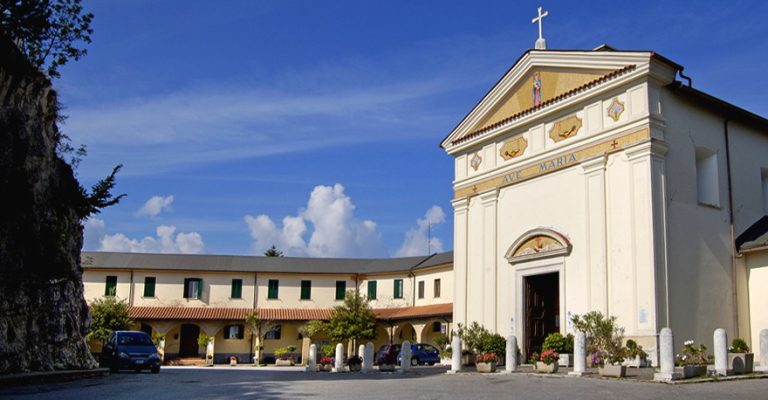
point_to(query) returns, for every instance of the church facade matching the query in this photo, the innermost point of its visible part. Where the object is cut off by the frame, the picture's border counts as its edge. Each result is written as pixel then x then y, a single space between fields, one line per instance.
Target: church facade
pixel 603 181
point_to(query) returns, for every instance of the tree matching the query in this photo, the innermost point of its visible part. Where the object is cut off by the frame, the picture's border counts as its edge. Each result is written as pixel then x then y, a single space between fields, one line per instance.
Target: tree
pixel 49 32
pixel 108 315
pixel 273 252
pixel 353 320
pixel 259 328
pixel 99 197
pixel 312 329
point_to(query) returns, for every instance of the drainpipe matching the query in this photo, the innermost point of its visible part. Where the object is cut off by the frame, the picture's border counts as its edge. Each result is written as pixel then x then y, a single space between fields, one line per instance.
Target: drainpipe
pixel 130 290
pixel 732 239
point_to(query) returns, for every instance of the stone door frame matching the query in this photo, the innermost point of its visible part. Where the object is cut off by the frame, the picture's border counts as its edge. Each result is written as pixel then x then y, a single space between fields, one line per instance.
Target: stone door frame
pixel 532 268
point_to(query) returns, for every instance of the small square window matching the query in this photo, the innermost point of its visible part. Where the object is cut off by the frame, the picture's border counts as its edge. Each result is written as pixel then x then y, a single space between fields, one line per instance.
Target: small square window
pixel 193 288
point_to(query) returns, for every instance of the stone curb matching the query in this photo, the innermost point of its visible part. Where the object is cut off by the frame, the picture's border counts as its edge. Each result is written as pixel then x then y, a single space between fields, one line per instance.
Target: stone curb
pixel 33 378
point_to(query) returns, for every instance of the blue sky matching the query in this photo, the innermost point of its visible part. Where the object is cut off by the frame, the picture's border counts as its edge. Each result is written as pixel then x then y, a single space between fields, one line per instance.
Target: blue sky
pixel 315 125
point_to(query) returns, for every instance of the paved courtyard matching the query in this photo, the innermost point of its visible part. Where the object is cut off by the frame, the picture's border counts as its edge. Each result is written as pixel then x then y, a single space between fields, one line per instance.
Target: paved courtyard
pixel 423 383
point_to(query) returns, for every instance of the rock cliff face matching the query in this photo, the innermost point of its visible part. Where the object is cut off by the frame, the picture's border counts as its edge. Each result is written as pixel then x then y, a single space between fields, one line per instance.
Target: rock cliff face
pixel 43 315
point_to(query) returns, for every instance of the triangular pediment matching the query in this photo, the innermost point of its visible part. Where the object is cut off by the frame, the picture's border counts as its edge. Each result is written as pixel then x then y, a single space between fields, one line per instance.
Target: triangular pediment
pixel 539 79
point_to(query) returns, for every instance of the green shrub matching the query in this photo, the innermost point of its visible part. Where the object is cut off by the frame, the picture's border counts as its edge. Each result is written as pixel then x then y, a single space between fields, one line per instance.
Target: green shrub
pixel 493 344
pixel 739 346
pixel 328 350
pixel 442 342
pixel 603 335
pixel 559 343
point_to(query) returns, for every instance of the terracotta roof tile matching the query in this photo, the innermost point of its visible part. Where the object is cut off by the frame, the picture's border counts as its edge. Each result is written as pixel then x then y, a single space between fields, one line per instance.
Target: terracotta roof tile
pixel 553 100
pixel 277 314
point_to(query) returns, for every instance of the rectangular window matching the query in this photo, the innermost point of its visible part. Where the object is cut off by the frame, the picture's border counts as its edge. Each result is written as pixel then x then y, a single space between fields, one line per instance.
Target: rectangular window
pixel 421 289
pixel 707 185
pixel 437 288
pixel 237 289
pixel 272 289
pixel 111 289
pixel 398 289
pixel 275 333
pixel 193 288
pixel 341 290
pixel 372 290
pixel 306 290
pixel 149 286
pixel 233 332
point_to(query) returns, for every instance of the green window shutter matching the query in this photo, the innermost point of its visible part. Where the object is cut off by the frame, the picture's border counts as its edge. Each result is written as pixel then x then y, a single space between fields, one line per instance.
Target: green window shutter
pixel 306 290
pixel 272 289
pixel 149 286
pixel 341 289
pixel 199 292
pixel 437 288
pixel 111 288
pixel 372 290
pixel 186 288
pixel 398 288
pixel 237 289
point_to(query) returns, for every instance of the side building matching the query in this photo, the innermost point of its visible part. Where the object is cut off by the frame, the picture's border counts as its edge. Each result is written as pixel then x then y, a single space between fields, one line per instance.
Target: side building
pixel 184 296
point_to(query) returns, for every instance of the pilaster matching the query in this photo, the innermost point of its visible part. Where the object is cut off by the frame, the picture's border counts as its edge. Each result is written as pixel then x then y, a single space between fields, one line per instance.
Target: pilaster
pixel 489 201
pixel 597 270
pixel 460 227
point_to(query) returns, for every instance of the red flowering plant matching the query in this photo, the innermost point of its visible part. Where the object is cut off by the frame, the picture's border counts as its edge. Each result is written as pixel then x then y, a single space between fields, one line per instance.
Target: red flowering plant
pixel 233 358
pixel 486 358
pixel 549 356
pixel 327 360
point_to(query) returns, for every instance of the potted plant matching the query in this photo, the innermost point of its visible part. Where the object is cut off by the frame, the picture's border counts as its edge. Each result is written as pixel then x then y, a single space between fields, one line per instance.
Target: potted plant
pixel 284 359
pixel 232 360
pixel 486 362
pixel 326 363
pixel 387 360
pixel 612 366
pixel 547 363
pixel 562 345
pixel 446 356
pixel 740 359
pixel 355 363
pixel 693 360
pixel 636 356
pixel 443 345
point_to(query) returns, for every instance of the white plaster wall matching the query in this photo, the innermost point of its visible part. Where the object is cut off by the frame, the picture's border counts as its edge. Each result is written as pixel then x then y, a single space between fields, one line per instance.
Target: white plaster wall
pixel 385 290
pixel 95 282
pixel 446 286
pixel 700 285
pixel 757 272
pixel 749 157
pixel 217 289
pixel 323 293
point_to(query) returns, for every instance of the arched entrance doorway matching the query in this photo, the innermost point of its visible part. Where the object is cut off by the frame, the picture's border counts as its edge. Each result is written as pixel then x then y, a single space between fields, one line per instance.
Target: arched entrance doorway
pixel 188 346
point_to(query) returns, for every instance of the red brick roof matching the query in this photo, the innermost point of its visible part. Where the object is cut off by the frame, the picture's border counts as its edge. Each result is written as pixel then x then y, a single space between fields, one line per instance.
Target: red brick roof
pixel 555 99
pixel 276 314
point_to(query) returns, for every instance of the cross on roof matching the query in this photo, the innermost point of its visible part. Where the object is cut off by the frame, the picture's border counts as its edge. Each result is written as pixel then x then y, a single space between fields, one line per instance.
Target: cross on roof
pixel 541 44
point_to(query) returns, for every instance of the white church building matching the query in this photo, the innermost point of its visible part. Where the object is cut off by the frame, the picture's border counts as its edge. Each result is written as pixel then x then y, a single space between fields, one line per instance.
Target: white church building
pixel 603 180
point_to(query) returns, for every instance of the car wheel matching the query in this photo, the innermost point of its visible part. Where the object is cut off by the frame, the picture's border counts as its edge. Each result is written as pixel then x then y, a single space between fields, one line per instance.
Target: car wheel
pixel 156 370
pixel 414 362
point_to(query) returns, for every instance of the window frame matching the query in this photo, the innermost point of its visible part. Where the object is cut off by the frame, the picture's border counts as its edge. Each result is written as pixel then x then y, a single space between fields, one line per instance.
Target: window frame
pixel 199 294
pixel 341 290
pixel 149 283
pixel 421 290
pixel 437 288
pixel 110 286
pixel 374 285
pixel 273 293
pixel 307 288
pixel 398 289
pixel 237 289
pixel 239 335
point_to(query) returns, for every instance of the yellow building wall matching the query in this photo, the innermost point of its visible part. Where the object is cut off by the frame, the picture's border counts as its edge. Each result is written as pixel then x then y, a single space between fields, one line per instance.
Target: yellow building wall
pixel 323 292
pixel 757 272
pixel 445 274
pixel 385 290
pixel 95 283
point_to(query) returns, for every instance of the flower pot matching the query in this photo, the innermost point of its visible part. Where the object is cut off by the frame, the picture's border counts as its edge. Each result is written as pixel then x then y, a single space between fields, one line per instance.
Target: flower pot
pixel 637 362
pixel 233 363
pixel 692 371
pixel 326 368
pixel 355 367
pixel 445 361
pixel 485 367
pixel 565 360
pixel 741 363
pixel 386 367
pixel 544 368
pixel 283 363
pixel 614 371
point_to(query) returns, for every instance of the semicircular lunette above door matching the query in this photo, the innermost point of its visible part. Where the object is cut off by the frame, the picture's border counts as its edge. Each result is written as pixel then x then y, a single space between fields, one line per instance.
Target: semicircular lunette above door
pixel 538 243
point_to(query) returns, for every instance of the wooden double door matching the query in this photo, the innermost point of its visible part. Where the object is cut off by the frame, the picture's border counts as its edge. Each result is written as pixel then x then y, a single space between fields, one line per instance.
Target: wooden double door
pixel 188 346
pixel 542 309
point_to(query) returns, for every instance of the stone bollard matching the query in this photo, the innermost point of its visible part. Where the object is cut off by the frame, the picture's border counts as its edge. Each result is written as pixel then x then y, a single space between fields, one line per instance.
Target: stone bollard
pixel 511 355
pixel 721 353
pixel 666 358
pixel 405 357
pixel 368 357
pixel 209 354
pixel 338 365
pixel 455 354
pixel 579 354
pixel 312 361
pixel 763 351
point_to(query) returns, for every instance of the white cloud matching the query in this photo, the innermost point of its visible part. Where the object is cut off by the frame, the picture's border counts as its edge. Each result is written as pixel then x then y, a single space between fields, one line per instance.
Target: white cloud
pixel 165 240
pixel 156 205
pixel 418 240
pixel 335 230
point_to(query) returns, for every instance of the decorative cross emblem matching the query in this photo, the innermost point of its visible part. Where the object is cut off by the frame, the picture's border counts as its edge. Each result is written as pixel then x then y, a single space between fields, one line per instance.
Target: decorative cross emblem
pixel 614 144
pixel 541 44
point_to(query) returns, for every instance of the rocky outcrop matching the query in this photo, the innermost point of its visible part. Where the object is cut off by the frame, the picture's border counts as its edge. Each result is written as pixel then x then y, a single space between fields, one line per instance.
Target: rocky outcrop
pixel 43 315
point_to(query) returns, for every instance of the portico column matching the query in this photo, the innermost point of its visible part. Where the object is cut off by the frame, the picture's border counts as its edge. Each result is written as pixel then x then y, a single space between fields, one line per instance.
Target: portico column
pixel 460 226
pixel 597 272
pixel 489 201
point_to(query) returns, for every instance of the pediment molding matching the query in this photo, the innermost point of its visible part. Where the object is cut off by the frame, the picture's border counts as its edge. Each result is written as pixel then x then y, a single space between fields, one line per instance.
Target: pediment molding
pixel 536 244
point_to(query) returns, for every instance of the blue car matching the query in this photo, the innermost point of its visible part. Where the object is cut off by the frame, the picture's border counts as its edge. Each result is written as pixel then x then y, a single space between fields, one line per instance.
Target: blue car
pixel 130 350
pixel 423 353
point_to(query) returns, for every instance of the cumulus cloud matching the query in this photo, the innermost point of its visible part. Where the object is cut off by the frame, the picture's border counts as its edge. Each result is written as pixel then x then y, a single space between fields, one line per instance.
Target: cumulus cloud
pixel 418 240
pixel 156 205
pixel 166 240
pixel 335 232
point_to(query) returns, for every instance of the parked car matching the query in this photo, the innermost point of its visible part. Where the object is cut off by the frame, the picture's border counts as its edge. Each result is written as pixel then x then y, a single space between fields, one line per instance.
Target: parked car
pixel 383 350
pixel 423 353
pixel 130 350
